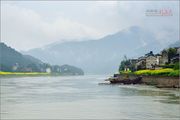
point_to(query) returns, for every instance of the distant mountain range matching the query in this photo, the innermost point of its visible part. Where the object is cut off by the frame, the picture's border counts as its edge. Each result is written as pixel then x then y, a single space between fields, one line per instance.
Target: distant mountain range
pixel 175 44
pixel 9 57
pixel 103 55
pixel 12 60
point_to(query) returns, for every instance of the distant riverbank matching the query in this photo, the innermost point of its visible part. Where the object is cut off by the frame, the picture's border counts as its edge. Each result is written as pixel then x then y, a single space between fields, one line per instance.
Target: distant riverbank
pixel 24 73
pixel 33 74
pixel 4 74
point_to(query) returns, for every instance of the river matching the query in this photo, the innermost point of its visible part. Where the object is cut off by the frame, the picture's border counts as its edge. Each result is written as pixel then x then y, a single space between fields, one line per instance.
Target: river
pixel 81 97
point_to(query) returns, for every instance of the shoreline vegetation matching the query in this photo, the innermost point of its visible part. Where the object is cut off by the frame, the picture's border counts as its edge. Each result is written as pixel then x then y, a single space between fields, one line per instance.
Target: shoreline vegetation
pixel 15 74
pixel 33 74
pixel 160 72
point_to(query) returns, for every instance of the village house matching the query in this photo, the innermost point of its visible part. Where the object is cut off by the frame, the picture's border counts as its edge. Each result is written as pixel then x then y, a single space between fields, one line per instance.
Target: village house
pixel 141 63
pixel 158 59
pixel 133 61
pixel 151 61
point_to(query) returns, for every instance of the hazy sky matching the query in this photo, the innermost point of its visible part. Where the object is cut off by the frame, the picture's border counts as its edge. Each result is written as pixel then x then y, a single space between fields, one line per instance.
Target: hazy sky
pixel 31 24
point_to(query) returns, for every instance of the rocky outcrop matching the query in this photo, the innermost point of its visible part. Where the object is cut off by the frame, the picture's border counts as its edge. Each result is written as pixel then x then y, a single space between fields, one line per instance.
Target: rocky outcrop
pixel 125 79
pixel 158 81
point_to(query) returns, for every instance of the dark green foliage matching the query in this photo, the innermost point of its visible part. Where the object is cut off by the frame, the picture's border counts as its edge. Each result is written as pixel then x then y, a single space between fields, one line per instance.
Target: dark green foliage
pixel 171 53
pixel 66 70
pixel 174 73
pixel 126 63
pixel 176 66
pixel 70 70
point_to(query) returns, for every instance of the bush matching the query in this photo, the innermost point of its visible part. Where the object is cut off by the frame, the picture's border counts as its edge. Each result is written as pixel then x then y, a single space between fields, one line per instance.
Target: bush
pixel 125 72
pixel 176 66
pixel 174 73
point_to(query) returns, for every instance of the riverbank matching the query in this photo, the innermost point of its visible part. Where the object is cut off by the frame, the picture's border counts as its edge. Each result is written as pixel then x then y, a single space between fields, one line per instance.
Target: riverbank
pixel 23 73
pixel 155 80
pixel 16 74
pixel 33 74
pixel 162 81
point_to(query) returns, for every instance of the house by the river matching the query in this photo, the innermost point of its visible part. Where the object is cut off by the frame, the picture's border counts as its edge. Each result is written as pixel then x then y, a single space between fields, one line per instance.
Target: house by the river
pixel 151 60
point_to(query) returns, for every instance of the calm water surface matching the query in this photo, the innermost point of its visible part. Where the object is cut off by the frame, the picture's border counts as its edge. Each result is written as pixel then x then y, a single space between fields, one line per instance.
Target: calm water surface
pixel 80 97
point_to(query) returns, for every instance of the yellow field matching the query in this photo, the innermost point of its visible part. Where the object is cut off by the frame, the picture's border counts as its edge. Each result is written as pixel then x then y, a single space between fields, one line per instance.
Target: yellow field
pixel 23 73
pixel 167 71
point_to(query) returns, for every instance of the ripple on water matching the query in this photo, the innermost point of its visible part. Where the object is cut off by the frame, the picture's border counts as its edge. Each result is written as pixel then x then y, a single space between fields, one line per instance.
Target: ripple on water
pixel 80 97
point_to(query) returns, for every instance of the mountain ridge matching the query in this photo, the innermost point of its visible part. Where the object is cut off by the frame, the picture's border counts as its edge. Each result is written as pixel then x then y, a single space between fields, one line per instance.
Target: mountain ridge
pixel 13 61
pixel 103 55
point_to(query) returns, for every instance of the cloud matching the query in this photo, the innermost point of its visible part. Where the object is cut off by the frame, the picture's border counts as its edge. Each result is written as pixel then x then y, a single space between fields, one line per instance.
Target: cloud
pixel 25 29
pixel 26 25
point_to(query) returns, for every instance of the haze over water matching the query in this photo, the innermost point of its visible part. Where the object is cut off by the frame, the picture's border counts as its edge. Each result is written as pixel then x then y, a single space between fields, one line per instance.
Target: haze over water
pixel 81 97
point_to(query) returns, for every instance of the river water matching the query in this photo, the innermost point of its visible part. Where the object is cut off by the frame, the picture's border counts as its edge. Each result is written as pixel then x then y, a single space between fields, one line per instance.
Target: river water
pixel 81 97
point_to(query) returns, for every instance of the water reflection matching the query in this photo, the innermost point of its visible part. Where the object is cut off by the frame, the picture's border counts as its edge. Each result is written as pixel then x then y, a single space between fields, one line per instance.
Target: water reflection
pixel 167 95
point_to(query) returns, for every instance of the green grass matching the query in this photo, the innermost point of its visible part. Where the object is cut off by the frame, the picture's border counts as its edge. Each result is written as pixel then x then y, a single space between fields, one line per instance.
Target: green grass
pixel 125 72
pixel 161 72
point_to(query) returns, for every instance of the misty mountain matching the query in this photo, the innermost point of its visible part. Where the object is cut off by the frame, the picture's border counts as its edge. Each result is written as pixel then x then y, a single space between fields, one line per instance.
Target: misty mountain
pixel 9 57
pixel 175 44
pixel 103 55
pixel 12 60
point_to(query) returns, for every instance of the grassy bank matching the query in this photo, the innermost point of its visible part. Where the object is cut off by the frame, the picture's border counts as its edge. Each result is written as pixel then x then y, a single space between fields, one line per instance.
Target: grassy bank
pixel 23 73
pixel 19 74
pixel 160 72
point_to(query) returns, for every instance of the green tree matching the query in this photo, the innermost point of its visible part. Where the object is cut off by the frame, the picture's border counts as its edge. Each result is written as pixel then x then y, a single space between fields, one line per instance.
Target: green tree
pixel 124 64
pixel 171 53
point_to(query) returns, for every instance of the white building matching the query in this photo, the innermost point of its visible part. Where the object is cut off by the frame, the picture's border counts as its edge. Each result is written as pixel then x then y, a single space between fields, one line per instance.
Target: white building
pixel 48 70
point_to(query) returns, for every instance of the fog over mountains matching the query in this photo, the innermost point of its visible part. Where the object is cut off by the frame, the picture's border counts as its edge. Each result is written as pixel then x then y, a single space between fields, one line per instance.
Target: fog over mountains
pixel 101 56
